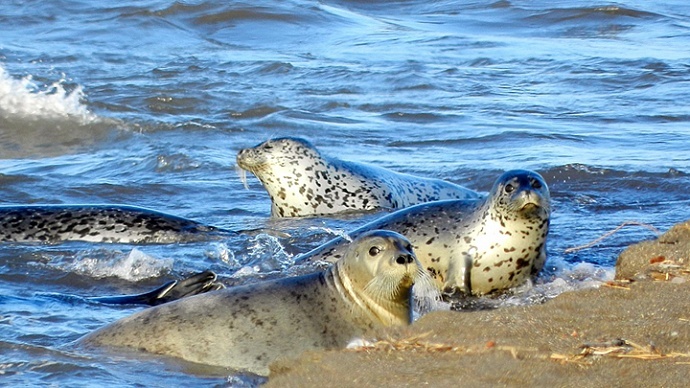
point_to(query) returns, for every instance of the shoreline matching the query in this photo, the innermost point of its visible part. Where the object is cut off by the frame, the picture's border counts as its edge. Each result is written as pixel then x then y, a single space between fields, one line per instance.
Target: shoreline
pixel 633 331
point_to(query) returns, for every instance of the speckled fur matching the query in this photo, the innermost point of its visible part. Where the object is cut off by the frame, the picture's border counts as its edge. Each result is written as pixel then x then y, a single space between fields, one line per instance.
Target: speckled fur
pixel 302 182
pixel 97 223
pixel 477 246
pixel 248 327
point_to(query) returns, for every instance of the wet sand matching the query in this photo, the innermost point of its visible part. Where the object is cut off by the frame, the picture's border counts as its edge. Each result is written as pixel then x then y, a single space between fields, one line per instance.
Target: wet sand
pixel 634 331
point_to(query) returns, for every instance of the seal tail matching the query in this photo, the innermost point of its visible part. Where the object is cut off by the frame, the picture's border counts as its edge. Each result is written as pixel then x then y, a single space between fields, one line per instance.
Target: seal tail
pixel 177 289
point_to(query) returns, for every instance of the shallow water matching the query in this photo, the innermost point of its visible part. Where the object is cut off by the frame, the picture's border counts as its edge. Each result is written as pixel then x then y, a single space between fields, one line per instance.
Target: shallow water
pixel 147 103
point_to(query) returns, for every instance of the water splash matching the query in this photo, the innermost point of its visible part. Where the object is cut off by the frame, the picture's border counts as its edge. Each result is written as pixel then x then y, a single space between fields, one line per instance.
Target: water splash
pixel 134 266
pixel 25 99
pixel 222 252
pixel 266 254
pixel 336 232
pixel 566 278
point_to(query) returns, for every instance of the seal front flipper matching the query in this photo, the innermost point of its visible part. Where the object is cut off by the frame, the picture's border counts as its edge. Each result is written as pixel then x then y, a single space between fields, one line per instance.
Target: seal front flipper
pixel 459 281
pixel 173 290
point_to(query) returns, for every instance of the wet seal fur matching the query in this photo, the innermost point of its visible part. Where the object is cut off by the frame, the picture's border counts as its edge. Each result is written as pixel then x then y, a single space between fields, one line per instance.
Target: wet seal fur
pixel 472 247
pixel 246 328
pixel 98 223
pixel 303 182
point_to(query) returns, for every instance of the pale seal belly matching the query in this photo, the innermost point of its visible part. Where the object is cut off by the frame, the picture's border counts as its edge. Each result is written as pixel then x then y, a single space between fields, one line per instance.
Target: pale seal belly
pixel 303 182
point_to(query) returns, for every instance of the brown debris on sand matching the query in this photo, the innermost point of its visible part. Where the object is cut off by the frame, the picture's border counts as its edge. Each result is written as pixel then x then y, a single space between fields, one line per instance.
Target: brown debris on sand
pixel 665 258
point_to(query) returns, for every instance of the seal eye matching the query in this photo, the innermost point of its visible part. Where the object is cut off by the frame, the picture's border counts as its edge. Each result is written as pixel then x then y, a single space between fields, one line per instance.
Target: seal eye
pixel 373 251
pixel 536 184
pixel 509 188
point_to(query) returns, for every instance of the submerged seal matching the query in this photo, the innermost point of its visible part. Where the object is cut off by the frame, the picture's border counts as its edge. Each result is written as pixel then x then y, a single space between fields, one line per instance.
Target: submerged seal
pixel 98 223
pixel 248 327
pixel 472 246
pixel 303 182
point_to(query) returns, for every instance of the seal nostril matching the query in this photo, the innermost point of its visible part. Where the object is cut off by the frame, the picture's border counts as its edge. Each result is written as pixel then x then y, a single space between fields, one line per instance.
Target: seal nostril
pixel 404 259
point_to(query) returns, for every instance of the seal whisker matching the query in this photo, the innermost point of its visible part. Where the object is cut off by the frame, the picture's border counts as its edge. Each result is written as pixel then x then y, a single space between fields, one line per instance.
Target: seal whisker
pixel 383 288
pixel 427 297
pixel 243 176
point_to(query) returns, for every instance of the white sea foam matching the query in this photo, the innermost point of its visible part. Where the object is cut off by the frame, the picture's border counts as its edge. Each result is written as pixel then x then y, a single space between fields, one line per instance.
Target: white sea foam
pixel 133 266
pixel 337 232
pixel 566 278
pixel 22 97
pixel 265 254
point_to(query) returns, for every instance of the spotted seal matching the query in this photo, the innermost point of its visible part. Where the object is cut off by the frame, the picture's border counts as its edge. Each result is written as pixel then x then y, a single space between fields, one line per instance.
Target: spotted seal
pixel 98 223
pixel 303 182
pixel 247 327
pixel 472 246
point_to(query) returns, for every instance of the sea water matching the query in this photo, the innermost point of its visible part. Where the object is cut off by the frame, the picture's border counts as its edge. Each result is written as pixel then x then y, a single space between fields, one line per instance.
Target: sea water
pixel 147 103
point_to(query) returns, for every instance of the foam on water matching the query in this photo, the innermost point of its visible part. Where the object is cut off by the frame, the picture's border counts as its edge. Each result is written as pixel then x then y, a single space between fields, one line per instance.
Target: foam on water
pixel 133 266
pixel 337 232
pixel 24 98
pixel 265 254
pixel 563 277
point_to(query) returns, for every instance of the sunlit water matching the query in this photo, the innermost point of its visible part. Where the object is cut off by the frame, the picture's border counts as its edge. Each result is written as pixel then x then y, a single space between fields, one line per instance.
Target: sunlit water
pixel 147 103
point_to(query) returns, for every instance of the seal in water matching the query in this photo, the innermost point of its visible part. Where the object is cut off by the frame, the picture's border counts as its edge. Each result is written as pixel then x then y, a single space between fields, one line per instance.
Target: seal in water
pixel 303 182
pixel 248 327
pixel 472 246
pixel 99 223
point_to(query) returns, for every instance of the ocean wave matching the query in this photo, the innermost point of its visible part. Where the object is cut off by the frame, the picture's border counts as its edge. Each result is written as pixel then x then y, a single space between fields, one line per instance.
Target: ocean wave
pixel 467 138
pixel 26 99
pixel 45 120
pixel 591 14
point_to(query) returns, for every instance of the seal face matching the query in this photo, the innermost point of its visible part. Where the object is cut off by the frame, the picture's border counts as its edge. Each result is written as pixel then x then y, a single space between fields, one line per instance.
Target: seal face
pixel 97 223
pixel 303 182
pixel 473 246
pixel 248 327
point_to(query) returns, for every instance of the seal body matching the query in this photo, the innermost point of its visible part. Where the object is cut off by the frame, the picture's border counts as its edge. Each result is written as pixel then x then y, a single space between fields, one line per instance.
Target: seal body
pixel 473 246
pixel 98 223
pixel 248 327
pixel 303 182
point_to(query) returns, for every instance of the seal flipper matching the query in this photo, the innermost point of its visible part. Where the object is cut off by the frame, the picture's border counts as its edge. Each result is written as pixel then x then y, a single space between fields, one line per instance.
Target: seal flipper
pixel 170 291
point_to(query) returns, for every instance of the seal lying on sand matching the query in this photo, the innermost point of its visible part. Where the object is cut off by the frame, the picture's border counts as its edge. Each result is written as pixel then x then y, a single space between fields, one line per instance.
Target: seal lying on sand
pixel 472 246
pixel 248 327
pixel 99 223
pixel 303 182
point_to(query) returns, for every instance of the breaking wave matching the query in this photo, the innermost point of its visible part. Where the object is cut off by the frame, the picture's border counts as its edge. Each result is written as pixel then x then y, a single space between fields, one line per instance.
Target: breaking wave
pixel 24 98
